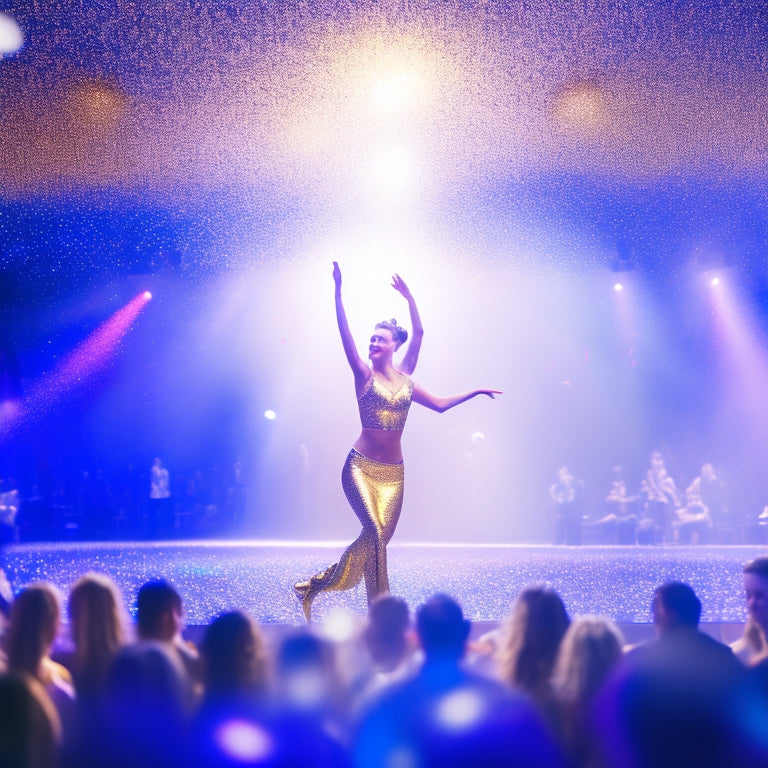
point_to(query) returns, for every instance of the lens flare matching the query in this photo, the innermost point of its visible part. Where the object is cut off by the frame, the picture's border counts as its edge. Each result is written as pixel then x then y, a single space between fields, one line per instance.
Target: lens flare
pixel 244 741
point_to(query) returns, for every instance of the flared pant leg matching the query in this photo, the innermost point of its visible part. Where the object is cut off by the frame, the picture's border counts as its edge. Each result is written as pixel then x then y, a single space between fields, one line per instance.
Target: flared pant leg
pixel 375 493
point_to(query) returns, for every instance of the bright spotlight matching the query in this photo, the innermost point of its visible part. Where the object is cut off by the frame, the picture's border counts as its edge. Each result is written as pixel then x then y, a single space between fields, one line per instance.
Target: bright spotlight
pixel 714 281
pixel 147 295
pixel 618 287
pixel 270 414
pixel 393 169
pixel 393 91
pixel 11 38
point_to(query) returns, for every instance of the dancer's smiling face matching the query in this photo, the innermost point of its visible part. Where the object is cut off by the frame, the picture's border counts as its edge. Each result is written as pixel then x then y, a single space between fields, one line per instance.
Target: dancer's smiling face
pixel 381 344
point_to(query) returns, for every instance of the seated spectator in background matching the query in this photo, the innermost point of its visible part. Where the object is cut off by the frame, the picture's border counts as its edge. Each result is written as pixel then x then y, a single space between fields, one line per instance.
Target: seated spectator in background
pixel 530 642
pixel 752 647
pixel 677 701
pixel 588 654
pixel 30 729
pixel 446 716
pixel 33 628
pixel 159 618
pixel 621 517
pixel 694 519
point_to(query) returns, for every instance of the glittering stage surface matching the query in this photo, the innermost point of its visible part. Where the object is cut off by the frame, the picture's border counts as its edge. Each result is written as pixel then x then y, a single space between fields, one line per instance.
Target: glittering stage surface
pixel 214 576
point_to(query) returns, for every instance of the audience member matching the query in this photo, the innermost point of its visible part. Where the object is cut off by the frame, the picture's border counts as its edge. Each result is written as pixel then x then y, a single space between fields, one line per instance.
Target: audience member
pixel 30 729
pixel 98 628
pixel 674 702
pixel 33 628
pixel 159 618
pixel 448 717
pixel 530 643
pixel 310 722
pixel 388 646
pixel 683 699
pixel 752 647
pixel 589 652
pixel 146 710
pixel 235 692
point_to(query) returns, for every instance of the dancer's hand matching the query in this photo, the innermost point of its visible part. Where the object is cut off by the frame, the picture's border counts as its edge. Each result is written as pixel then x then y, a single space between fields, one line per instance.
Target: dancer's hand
pixel 336 274
pixel 490 392
pixel 399 285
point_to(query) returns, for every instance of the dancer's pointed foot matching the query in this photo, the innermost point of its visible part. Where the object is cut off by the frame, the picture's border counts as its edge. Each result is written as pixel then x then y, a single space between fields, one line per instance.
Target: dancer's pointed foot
pixel 300 589
pixel 307 591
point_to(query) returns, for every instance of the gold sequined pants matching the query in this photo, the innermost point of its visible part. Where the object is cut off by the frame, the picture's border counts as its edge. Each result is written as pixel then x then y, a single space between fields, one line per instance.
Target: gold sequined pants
pixel 375 493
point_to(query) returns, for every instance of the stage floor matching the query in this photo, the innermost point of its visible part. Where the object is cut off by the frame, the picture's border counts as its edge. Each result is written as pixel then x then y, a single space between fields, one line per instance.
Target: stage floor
pixel 257 576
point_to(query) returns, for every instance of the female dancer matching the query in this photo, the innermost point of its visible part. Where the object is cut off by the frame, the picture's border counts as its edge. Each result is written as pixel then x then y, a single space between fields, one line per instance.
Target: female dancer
pixel 373 474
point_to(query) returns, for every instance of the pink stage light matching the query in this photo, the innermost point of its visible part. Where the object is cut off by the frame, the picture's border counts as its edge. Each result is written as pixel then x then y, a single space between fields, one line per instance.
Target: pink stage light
pixel 79 368
pixel 147 295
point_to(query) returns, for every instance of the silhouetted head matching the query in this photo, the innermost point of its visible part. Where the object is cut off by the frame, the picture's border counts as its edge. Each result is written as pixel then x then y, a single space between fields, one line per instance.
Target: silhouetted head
pixel 756 590
pixel 97 625
pixel 35 617
pixel 387 627
pixel 675 605
pixel 588 653
pixel 532 638
pixel 159 610
pixel 442 628
pixel 233 652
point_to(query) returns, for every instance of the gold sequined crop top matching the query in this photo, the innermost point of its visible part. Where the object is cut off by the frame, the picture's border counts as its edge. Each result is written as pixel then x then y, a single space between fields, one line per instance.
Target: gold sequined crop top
pixel 382 409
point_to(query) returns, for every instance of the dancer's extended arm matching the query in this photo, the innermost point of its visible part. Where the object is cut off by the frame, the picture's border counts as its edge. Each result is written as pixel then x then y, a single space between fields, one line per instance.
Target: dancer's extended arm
pixel 442 404
pixel 361 371
pixel 411 357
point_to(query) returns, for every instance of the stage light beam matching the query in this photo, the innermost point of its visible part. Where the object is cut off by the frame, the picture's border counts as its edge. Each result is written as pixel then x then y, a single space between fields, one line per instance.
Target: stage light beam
pixel 80 367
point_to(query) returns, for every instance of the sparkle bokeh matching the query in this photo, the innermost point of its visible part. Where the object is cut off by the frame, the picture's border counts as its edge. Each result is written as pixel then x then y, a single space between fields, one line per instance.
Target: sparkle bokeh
pixel 217 577
pixel 508 159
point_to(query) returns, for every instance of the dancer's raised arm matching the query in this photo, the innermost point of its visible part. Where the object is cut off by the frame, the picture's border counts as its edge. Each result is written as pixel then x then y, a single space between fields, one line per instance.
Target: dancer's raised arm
pixel 411 357
pixel 359 368
pixel 442 404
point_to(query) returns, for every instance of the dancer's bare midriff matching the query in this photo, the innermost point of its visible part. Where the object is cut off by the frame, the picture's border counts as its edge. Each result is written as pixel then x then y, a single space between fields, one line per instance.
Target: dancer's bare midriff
pixel 380 445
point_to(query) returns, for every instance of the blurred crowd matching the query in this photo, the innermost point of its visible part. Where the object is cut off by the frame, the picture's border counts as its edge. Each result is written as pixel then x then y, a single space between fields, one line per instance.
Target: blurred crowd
pixel 393 690
pixel 129 503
